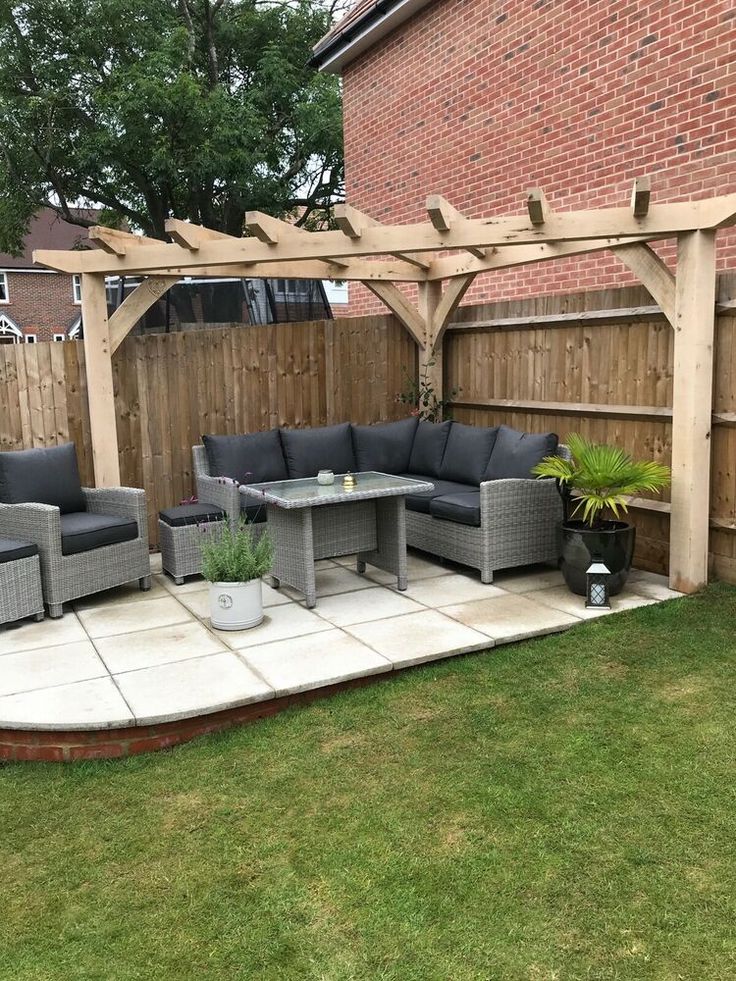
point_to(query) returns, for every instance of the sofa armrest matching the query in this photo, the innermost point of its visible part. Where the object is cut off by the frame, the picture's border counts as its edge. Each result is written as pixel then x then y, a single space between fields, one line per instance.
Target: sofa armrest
pixel 122 502
pixel 517 502
pixel 222 493
pixel 38 523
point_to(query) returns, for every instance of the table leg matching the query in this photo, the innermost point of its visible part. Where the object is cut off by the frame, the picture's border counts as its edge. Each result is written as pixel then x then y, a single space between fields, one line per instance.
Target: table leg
pixel 293 549
pixel 390 552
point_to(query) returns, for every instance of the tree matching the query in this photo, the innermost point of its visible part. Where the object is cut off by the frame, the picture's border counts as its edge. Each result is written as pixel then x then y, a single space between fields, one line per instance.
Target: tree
pixel 201 109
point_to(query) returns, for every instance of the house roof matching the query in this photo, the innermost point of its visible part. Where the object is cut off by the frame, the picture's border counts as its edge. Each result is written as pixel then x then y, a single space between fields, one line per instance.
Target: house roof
pixel 48 231
pixel 365 24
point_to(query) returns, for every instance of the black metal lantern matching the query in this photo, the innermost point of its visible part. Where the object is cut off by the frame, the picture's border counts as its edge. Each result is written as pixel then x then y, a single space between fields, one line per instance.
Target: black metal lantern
pixel 596 592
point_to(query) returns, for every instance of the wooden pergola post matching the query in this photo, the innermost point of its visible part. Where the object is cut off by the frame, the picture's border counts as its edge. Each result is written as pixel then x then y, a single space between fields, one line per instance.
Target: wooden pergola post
pixel 100 390
pixel 430 358
pixel 692 400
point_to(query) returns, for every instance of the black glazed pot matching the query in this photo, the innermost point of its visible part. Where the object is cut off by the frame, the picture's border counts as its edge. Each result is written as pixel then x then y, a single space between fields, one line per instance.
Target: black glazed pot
pixel 613 545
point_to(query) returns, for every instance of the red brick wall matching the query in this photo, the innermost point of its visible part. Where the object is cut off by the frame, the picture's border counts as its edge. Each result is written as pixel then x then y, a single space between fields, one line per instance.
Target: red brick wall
pixel 479 100
pixel 40 303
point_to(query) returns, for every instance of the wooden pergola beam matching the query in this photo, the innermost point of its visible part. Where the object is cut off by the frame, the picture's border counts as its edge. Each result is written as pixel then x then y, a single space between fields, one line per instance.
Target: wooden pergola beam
pixel 640 195
pixel 191 236
pixel 662 221
pixel 444 216
pixel 272 231
pixel 133 307
pixel 351 222
pixel 653 273
pixel 357 270
pixel 116 242
pixel 402 308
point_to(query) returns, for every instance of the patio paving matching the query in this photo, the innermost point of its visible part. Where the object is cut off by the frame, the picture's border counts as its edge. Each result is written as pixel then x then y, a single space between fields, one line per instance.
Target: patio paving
pixel 126 658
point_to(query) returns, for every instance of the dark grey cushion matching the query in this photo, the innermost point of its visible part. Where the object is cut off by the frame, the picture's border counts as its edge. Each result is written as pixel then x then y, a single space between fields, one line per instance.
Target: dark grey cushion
pixel 191 514
pixel 514 453
pixel 84 531
pixel 429 447
pixel 308 451
pixel 467 452
pixel 10 550
pixel 43 476
pixel 249 459
pixel 463 509
pixel 385 447
pixel 421 501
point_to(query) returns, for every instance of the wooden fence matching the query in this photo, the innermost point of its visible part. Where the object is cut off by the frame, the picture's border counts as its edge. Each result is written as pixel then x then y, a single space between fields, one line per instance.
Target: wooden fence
pixel 598 363
pixel 171 388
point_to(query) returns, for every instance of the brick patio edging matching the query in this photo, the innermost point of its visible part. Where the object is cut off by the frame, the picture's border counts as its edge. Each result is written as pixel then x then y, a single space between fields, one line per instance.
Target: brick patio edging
pixel 68 745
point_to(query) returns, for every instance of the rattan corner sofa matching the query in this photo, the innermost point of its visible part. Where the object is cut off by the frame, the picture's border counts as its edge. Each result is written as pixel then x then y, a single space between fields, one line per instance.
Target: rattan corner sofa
pixel 88 539
pixel 486 510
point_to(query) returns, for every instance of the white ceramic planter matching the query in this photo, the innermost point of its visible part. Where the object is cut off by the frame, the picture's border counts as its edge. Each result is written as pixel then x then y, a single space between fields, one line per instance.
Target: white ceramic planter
pixel 236 605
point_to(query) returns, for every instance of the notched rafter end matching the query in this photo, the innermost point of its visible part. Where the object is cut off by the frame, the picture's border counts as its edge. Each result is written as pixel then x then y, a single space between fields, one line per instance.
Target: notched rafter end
pixel 640 195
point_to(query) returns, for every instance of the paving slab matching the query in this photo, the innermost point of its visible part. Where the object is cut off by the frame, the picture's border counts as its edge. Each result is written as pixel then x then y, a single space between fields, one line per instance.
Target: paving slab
pixel 510 617
pixel 130 592
pixel 305 663
pixel 95 704
pixel 560 598
pixel 198 686
pixel 419 637
pixel 369 604
pixel 332 580
pixel 653 588
pixel 123 618
pixel 279 623
pixel 28 634
pixel 452 588
pixel 160 645
pixel 524 581
pixel 48 666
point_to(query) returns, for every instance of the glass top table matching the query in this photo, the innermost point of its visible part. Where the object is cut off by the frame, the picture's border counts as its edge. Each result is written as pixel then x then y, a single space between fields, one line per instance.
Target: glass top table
pixel 308 521
pixel 306 492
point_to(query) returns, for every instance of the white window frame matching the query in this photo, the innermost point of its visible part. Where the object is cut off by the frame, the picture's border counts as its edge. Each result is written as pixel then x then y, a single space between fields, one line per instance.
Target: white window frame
pixel 77 289
pixel 59 337
pixel 6 285
pixel 30 338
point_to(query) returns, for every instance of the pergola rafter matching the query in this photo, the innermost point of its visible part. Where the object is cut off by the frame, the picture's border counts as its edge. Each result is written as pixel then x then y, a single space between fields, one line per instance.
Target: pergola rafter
pixel 449 248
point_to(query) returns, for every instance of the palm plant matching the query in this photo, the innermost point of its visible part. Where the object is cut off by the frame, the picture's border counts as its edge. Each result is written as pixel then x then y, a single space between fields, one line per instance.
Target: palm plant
pixel 601 477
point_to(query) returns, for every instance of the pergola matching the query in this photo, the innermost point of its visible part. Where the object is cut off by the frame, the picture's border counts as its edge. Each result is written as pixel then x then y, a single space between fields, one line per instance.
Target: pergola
pixel 442 256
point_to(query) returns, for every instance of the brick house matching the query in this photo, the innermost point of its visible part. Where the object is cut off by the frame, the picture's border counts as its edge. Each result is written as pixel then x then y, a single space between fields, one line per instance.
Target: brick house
pixel 478 101
pixel 36 304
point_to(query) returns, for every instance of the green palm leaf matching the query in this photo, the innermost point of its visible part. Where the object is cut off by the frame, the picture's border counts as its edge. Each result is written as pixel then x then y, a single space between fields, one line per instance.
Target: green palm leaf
pixel 602 477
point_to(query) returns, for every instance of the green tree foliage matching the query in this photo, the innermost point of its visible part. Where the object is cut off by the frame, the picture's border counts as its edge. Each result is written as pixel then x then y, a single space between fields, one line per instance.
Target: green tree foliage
pixel 201 109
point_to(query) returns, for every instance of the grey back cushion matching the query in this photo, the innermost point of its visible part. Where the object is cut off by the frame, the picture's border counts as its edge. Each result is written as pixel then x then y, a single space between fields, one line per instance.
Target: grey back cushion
pixel 43 476
pixel 467 453
pixel 514 453
pixel 385 447
pixel 308 451
pixel 249 459
pixel 429 448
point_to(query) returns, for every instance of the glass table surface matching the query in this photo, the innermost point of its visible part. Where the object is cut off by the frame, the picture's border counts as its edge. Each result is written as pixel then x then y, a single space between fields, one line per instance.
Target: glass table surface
pixel 307 492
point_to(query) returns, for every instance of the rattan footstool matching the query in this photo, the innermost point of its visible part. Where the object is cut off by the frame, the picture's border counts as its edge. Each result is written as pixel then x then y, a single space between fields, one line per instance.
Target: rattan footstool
pixel 20 581
pixel 180 532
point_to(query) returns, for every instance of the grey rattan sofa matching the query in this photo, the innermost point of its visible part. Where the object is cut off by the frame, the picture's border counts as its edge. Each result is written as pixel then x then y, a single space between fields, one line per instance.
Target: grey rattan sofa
pixel 88 539
pixel 485 511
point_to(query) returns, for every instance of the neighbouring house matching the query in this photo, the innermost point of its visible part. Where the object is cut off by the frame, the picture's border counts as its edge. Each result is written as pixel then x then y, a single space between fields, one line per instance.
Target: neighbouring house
pixel 38 304
pixel 479 101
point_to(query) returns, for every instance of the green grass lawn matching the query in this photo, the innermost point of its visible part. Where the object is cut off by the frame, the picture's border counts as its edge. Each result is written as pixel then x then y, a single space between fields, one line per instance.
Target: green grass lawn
pixel 559 809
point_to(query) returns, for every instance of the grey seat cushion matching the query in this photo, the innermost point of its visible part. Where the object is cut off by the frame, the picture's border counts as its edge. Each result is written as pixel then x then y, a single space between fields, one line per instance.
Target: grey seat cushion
pixel 515 453
pixel 84 531
pixel 467 452
pixel 191 514
pixel 43 476
pixel 421 501
pixel 250 459
pixel 429 447
pixel 385 447
pixel 463 509
pixel 10 550
pixel 308 451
